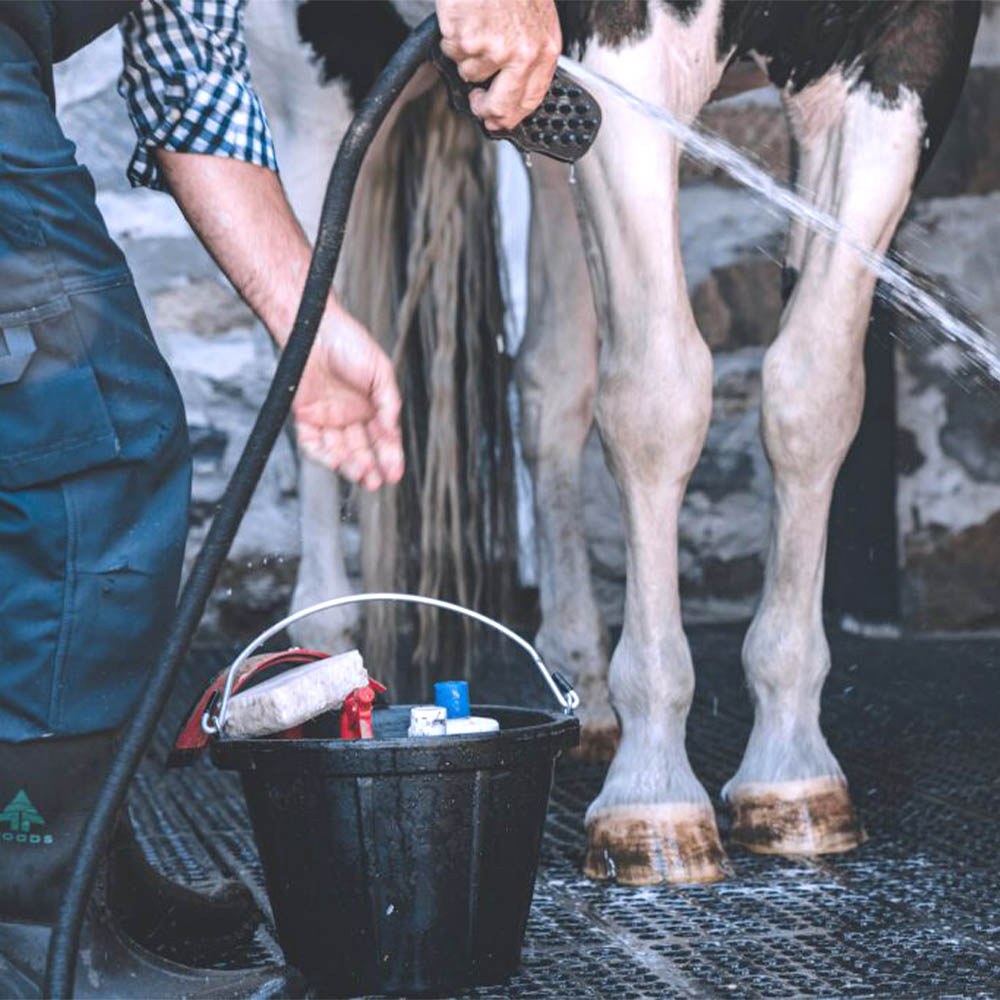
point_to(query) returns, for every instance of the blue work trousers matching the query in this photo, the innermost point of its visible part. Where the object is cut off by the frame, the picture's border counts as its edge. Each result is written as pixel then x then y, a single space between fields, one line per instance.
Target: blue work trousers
pixel 94 456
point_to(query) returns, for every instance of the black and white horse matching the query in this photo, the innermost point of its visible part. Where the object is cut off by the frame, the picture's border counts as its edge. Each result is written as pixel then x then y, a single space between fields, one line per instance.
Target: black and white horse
pixel 868 89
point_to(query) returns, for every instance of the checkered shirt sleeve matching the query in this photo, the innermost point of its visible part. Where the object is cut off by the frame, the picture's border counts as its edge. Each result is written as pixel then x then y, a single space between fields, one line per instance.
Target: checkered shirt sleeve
pixel 187 85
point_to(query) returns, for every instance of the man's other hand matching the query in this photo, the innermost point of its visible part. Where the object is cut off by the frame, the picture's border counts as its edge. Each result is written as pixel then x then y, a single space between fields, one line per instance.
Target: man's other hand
pixel 347 405
pixel 518 40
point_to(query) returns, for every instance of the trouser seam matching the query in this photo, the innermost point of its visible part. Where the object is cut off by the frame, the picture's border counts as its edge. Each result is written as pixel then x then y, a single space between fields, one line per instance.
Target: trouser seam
pixel 84 286
pixel 66 625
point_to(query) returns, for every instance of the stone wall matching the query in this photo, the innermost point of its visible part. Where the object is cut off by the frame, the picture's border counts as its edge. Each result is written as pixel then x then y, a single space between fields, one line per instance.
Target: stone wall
pixel 949 486
pixel 949 421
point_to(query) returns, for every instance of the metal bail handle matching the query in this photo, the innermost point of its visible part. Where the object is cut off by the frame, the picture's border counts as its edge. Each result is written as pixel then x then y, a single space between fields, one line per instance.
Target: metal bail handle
pixel 560 687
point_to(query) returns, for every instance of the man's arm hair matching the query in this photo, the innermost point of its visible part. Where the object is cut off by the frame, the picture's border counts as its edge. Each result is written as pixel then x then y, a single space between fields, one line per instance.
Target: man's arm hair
pixel 240 213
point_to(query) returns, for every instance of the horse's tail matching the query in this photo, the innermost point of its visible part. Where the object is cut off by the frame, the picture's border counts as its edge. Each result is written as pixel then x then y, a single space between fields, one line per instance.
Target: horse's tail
pixel 422 272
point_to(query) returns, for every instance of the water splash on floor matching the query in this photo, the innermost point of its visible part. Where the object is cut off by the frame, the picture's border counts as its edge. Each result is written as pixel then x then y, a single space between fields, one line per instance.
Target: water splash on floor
pixel 899 287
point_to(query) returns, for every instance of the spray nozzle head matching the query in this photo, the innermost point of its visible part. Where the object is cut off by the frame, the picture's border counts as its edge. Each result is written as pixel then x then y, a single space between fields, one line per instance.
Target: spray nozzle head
pixel 563 127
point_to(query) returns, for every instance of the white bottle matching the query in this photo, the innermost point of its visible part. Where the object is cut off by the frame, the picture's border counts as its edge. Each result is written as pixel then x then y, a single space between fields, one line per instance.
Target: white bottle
pixel 427 720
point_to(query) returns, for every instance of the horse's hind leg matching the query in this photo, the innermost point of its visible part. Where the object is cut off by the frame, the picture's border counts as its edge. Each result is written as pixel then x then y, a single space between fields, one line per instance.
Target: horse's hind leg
pixel 557 381
pixel 307 119
pixel 858 159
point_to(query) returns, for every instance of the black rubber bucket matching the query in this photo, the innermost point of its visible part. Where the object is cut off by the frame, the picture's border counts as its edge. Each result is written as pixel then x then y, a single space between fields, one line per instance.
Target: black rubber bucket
pixel 403 866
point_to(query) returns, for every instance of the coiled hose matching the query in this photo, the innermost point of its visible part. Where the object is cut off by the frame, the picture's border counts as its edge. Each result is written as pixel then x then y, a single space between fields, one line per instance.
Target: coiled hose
pixel 416 50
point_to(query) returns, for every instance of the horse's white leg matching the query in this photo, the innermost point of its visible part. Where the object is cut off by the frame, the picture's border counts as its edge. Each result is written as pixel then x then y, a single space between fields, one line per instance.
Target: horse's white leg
pixel 557 379
pixel 322 574
pixel 858 160
pixel 652 821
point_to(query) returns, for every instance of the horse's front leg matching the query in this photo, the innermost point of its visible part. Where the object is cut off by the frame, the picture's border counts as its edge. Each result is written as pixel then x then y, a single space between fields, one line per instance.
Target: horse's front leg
pixel 653 820
pixel 858 158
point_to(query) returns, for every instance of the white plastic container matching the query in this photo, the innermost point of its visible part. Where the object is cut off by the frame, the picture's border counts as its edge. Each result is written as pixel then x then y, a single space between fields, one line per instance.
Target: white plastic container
pixel 427 720
pixel 471 724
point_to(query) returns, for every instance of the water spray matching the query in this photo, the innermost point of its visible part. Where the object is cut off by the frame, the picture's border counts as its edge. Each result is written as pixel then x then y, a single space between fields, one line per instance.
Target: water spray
pixel 899 287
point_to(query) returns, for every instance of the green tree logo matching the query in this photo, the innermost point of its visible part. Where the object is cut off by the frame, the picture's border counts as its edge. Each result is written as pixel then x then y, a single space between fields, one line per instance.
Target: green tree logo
pixel 19 814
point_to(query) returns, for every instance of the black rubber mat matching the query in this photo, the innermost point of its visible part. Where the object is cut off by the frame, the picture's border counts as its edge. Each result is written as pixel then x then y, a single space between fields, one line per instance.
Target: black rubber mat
pixel 915 912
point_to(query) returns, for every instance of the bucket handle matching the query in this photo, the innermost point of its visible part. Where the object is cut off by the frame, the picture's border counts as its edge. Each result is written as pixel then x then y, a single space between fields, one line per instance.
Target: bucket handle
pixel 560 687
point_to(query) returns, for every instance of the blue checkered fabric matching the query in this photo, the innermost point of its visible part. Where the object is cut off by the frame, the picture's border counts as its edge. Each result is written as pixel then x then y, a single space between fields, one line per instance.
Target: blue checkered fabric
pixel 187 85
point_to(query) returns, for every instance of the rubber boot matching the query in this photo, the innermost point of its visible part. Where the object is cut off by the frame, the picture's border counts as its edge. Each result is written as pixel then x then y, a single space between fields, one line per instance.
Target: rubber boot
pixel 111 966
pixel 176 922
pixel 47 790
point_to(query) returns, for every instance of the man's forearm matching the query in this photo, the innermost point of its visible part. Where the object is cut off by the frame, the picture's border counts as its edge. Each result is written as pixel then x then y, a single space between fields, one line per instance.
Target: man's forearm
pixel 346 405
pixel 240 212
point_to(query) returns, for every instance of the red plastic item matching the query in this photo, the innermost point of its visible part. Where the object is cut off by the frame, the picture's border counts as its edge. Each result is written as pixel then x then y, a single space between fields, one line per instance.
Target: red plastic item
pixel 192 739
pixel 356 713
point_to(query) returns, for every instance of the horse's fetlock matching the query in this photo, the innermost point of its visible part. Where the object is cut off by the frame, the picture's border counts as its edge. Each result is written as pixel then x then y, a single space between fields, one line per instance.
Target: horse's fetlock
pixel 664 691
pixel 784 665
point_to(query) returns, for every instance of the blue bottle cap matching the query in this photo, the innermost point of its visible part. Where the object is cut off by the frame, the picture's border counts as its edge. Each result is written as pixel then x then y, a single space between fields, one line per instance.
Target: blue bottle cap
pixel 454 697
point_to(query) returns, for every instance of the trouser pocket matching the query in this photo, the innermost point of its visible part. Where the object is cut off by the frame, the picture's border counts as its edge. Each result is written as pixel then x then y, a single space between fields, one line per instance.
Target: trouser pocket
pixel 17 348
pixel 53 418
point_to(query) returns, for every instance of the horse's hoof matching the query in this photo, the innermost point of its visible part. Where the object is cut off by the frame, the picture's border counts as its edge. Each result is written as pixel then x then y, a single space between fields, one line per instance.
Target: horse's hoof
pixel 649 844
pixel 599 735
pixel 811 816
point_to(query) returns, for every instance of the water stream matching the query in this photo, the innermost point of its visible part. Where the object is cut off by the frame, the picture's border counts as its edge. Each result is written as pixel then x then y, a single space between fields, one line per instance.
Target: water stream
pixel 898 285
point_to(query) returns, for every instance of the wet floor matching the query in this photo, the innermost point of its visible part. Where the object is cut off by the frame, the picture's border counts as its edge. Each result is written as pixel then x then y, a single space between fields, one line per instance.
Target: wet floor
pixel 913 913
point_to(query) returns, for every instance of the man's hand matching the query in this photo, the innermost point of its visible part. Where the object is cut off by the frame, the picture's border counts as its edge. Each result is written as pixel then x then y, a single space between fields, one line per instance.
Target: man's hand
pixel 518 40
pixel 347 405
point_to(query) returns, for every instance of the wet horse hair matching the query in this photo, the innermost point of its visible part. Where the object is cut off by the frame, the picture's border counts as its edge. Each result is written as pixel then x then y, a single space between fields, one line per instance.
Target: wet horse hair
pixel 423 276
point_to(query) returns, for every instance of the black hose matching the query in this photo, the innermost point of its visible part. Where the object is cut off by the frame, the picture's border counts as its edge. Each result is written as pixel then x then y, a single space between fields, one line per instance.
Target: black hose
pixel 416 50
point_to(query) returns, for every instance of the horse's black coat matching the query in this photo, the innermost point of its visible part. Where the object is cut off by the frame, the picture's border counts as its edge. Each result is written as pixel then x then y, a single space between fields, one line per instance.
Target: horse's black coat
pixel 352 39
pixel 612 24
pixel 888 44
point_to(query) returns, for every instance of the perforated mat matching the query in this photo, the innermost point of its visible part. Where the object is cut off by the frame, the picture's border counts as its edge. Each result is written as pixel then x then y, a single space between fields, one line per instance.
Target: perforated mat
pixel 913 913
